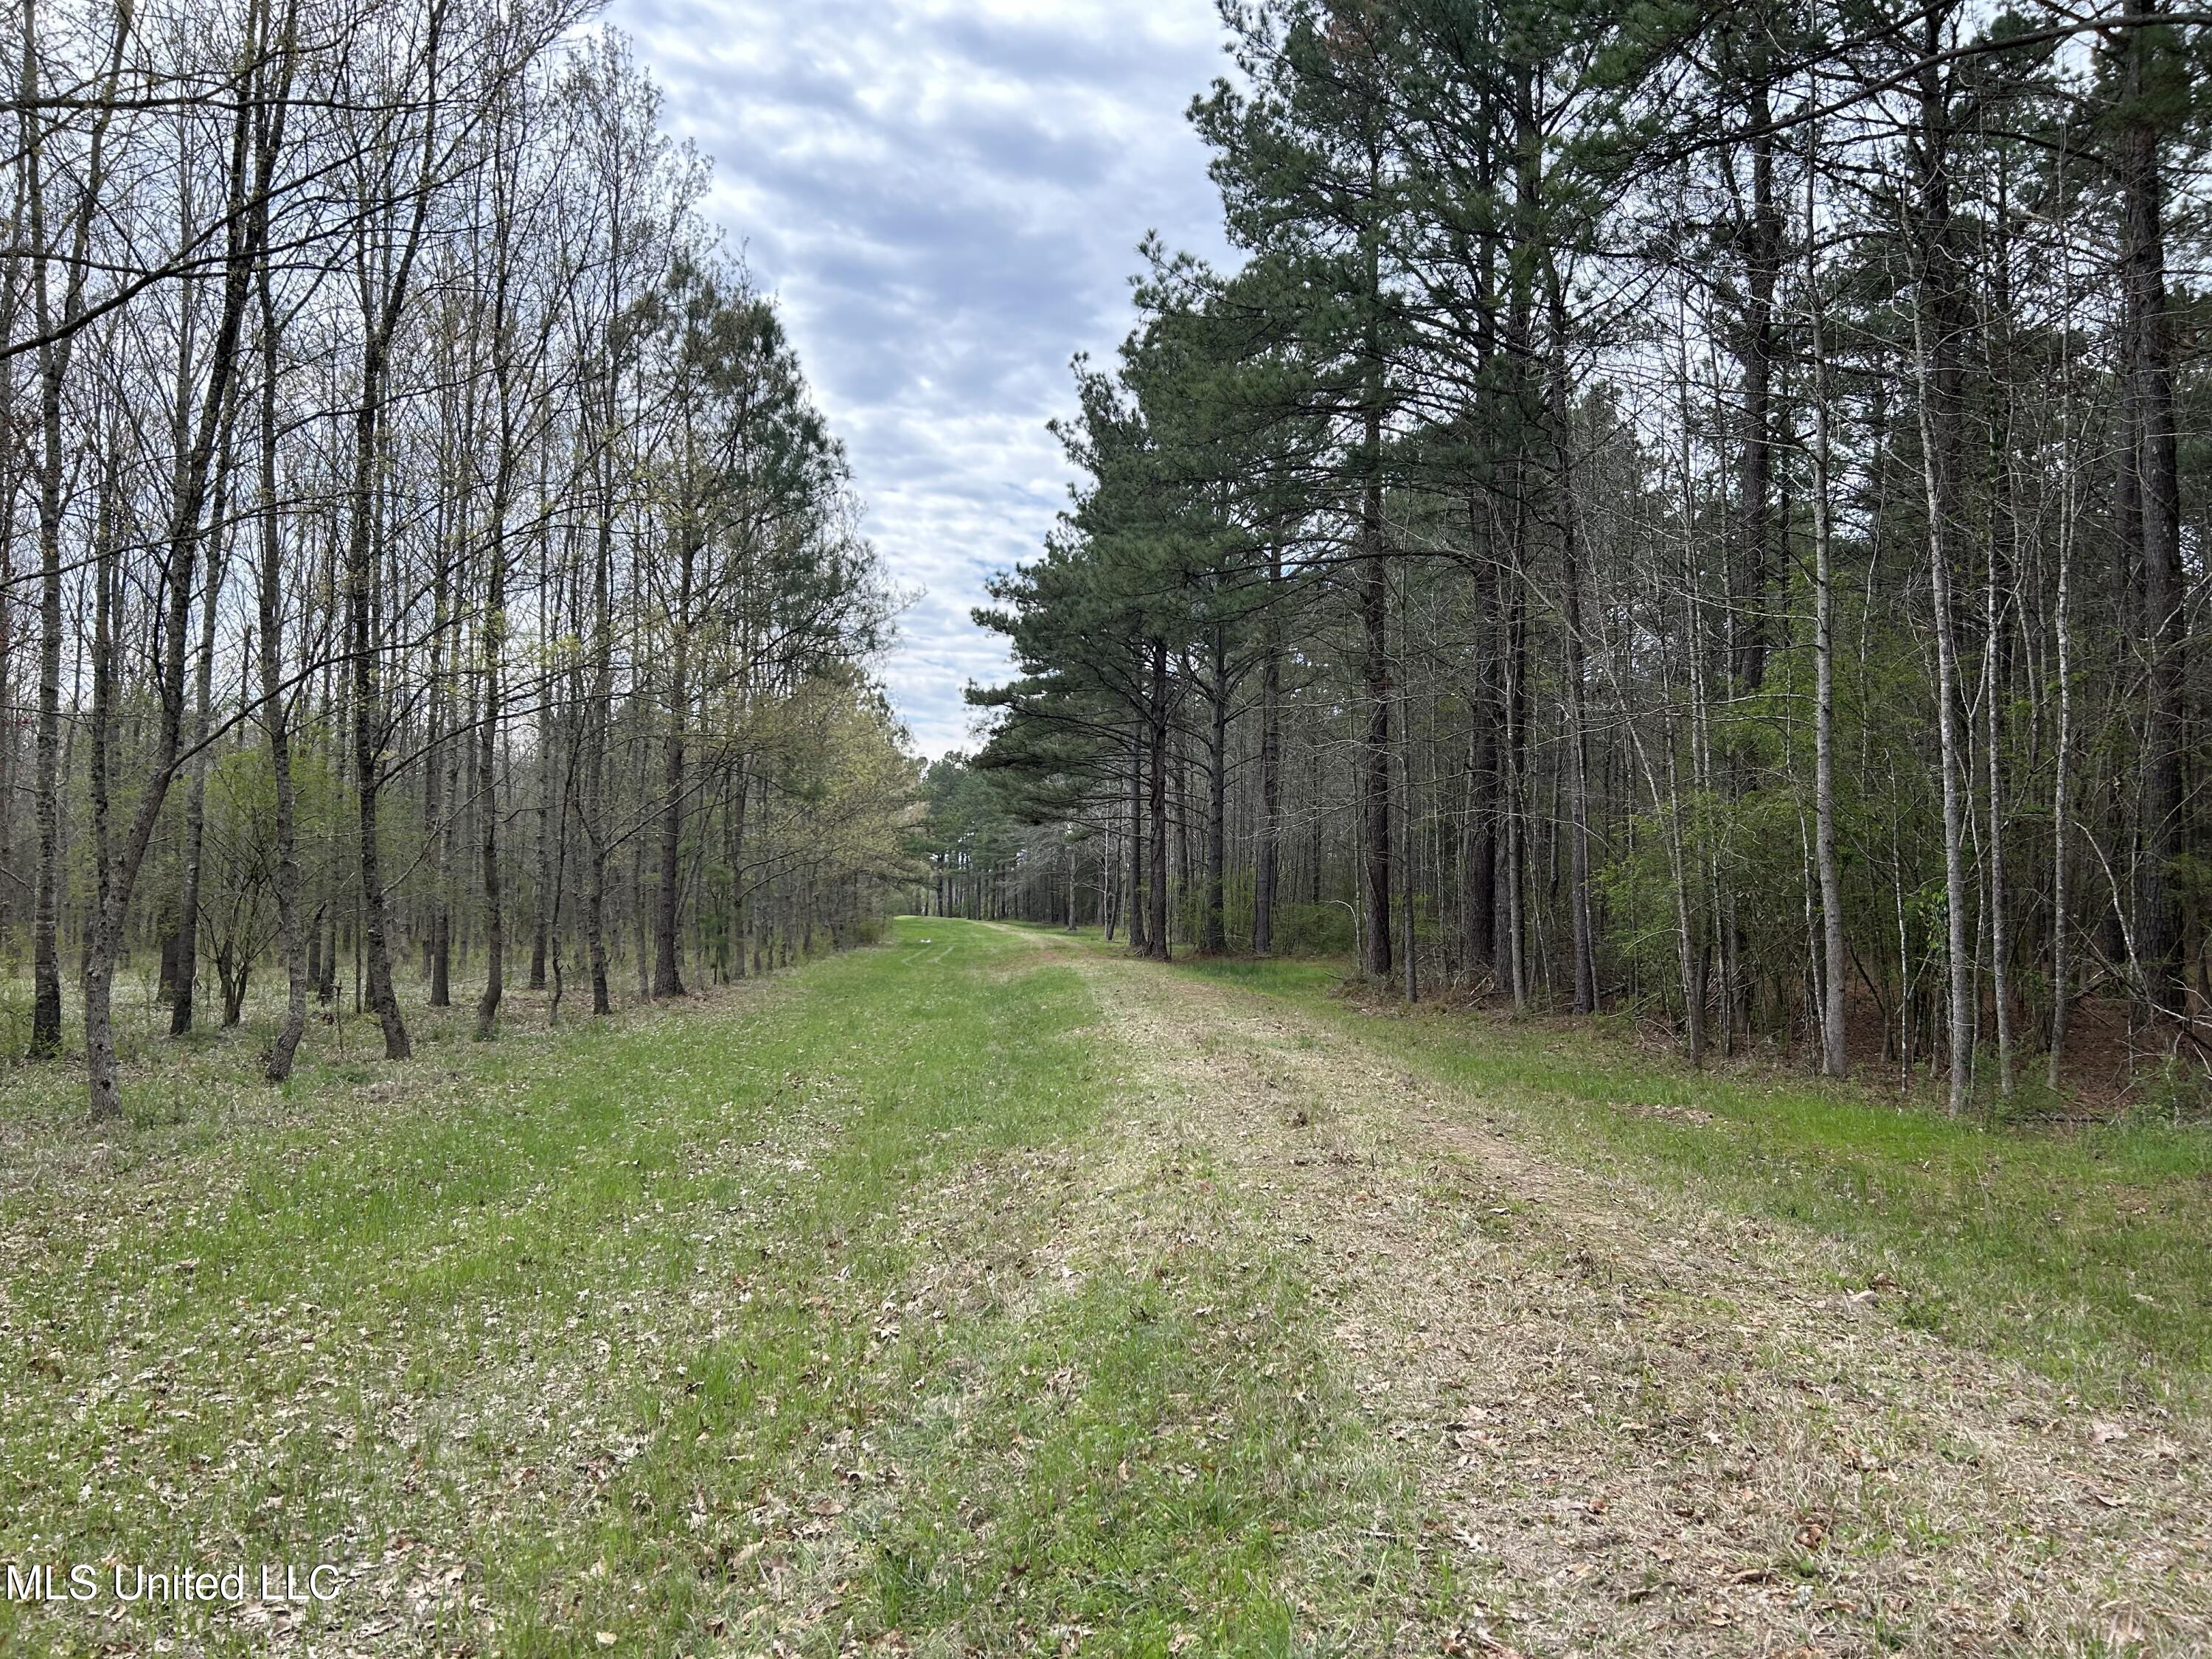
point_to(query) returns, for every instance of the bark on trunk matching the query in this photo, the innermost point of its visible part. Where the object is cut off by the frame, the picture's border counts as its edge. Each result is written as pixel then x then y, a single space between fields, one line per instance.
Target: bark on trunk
pixel 1960 961
pixel 667 981
pixel 1834 1058
pixel 1478 837
pixel 1582 923
pixel 1138 940
pixel 1266 858
pixel 487 795
pixel 1375 745
pixel 1762 256
pixel 2152 459
pixel 1216 801
pixel 1157 933
pixel 188 900
pixel 1936 346
pixel 275 716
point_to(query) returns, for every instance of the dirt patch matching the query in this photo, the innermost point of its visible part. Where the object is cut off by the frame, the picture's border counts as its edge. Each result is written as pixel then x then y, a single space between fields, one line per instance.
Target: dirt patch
pixel 1650 1427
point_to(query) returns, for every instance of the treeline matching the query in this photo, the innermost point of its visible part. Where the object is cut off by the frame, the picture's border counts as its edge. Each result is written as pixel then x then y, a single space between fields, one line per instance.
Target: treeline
pixel 1697 510
pixel 424 553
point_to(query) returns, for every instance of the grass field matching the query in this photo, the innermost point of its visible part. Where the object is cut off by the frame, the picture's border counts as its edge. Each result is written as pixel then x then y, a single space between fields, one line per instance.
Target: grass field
pixel 747 1321
pixel 928 1299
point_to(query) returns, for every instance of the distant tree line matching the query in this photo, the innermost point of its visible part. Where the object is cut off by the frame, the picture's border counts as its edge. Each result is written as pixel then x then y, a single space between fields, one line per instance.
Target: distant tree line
pixel 1696 510
pixel 425 560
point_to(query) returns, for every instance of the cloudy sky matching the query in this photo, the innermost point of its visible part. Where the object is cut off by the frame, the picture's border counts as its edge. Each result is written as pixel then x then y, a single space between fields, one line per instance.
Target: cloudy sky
pixel 947 196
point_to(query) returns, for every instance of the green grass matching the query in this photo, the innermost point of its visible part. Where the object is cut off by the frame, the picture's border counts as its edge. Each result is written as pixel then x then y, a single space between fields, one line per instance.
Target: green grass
pixel 740 1323
pixel 877 1297
pixel 2080 1250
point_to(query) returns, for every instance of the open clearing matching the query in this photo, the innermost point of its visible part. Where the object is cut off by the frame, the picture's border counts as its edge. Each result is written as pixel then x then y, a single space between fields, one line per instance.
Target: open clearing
pixel 992 1292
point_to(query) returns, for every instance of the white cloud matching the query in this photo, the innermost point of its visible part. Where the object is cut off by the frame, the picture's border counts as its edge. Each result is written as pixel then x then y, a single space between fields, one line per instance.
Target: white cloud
pixel 947 200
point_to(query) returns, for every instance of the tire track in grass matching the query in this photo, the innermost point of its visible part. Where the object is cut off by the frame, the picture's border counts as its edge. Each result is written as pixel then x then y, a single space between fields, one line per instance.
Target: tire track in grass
pixel 1651 1428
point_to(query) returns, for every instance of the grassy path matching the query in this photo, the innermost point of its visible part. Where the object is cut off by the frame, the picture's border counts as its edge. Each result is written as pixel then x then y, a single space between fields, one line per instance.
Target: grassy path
pixel 2079 1251
pixel 1656 1426
pixel 989 1292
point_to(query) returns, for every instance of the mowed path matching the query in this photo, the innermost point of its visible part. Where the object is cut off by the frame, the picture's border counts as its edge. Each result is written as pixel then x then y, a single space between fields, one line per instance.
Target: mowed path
pixel 994 1293
pixel 1648 1427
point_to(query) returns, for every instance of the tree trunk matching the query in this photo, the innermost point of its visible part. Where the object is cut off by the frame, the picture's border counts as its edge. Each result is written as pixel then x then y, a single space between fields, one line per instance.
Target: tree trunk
pixel 1834 1057
pixel 188 901
pixel 437 833
pixel 276 715
pixel 1138 905
pixel 487 795
pixel 1216 938
pixel 1935 342
pixel 1478 834
pixel 1375 812
pixel 1581 922
pixel 1157 933
pixel 57 333
pixel 1762 256
pixel 2061 794
pixel 2152 456
pixel 1960 954
pixel 1267 856
pixel 246 227
pixel 666 981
